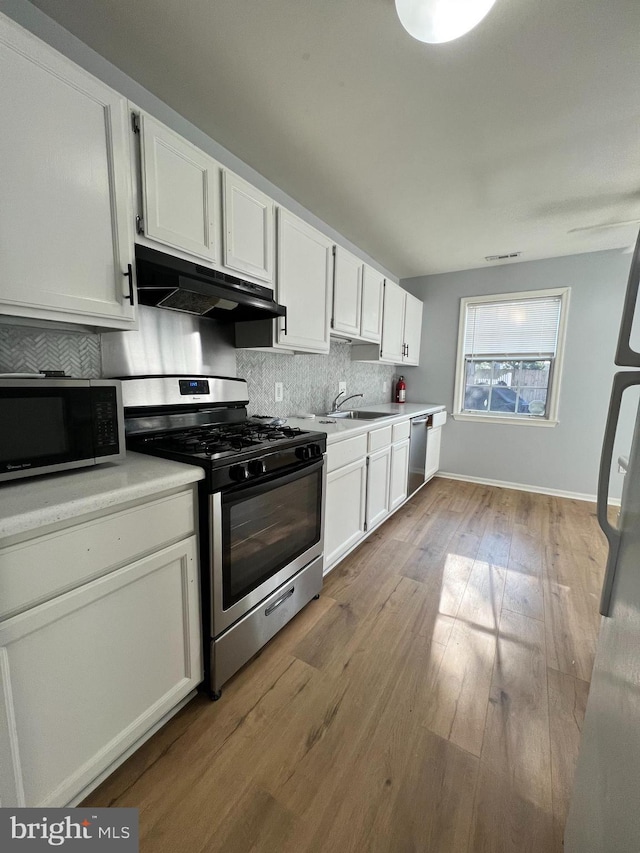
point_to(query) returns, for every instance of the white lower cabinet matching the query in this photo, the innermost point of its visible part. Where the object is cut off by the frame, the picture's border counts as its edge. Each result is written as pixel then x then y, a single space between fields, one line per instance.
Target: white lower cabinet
pixel 86 674
pixel 434 436
pixel 345 509
pixel 399 473
pixel 366 480
pixel 378 472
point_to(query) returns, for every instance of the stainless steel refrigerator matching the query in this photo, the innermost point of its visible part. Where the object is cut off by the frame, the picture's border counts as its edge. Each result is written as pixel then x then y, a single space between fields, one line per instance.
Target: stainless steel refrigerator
pixel 604 816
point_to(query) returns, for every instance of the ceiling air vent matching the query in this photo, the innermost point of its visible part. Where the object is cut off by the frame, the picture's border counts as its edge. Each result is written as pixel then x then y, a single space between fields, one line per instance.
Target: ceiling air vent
pixel 503 257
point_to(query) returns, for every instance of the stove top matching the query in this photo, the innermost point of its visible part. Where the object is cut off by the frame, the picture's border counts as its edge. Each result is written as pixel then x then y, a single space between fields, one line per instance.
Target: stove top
pixel 219 444
pixel 202 420
pixel 232 454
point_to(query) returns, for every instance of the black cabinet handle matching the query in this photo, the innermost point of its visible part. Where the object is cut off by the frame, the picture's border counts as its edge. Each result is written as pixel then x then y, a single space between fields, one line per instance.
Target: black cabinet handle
pixel 129 274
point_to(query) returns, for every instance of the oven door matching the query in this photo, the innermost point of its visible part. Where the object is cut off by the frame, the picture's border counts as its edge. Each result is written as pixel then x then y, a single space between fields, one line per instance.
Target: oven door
pixel 262 534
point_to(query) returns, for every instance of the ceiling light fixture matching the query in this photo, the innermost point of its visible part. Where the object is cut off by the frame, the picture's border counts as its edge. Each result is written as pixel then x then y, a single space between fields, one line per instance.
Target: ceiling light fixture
pixel 436 21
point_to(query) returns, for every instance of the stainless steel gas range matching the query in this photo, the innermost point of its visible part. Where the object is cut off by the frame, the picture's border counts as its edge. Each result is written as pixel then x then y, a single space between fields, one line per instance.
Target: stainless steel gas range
pixel 261 507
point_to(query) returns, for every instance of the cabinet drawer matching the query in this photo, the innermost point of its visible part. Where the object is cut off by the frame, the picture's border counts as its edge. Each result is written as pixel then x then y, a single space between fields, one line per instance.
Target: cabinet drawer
pixel 346 451
pixel 379 438
pixel 42 568
pixel 439 418
pixel 401 431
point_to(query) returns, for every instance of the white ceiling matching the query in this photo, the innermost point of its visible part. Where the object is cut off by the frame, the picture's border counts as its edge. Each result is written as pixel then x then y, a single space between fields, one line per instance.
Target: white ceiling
pixel 428 157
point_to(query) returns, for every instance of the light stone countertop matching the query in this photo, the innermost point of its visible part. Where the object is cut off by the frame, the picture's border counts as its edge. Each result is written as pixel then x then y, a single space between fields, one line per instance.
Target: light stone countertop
pixel 40 501
pixel 339 429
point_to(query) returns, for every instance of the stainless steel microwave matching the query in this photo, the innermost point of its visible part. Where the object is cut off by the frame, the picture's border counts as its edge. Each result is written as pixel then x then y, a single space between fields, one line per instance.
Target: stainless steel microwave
pixel 50 425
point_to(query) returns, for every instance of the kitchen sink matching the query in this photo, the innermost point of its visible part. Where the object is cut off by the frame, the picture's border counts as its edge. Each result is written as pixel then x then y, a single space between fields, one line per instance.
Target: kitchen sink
pixel 359 415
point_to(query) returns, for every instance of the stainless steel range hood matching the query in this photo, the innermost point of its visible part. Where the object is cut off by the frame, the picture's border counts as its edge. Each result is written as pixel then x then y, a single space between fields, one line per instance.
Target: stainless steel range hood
pixel 178 285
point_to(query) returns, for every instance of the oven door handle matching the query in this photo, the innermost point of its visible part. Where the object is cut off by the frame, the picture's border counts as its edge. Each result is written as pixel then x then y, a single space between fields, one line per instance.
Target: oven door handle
pixel 242 493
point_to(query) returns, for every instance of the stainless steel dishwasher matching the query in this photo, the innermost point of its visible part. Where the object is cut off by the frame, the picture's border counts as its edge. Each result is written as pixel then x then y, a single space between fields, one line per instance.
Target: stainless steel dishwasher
pixel 418 452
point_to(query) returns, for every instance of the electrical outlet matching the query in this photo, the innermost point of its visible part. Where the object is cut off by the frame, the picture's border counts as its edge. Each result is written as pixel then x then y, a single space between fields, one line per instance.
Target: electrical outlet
pixel 342 387
pixel 279 394
pixel 385 386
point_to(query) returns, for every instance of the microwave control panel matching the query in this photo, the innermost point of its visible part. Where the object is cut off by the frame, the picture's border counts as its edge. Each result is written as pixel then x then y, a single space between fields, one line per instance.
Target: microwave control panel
pixel 105 421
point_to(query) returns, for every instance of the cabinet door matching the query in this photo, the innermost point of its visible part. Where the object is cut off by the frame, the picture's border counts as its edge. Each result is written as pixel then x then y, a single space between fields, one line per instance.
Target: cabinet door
pixel 66 234
pixel 345 509
pixel 393 323
pixel 372 295
pixel 248 228
pixel 412 329
pixel 347 292
pixel 303 284
pixel 180 191
pixel 399 473
pixel 433 452
pixel 85 675
pixel 378 486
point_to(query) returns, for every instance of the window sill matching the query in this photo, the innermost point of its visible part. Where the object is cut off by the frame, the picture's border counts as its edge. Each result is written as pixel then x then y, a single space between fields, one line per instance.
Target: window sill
pixel 506 419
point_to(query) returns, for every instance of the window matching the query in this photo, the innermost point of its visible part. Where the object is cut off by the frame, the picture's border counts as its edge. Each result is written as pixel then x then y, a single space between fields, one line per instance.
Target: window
pixel 510 357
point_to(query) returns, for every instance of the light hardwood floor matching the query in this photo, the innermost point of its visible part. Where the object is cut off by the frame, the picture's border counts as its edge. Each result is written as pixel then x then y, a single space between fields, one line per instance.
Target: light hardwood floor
pixel 431 700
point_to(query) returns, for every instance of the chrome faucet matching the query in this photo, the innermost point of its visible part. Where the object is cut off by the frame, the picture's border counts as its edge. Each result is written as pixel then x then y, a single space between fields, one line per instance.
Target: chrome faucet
pixel 336 405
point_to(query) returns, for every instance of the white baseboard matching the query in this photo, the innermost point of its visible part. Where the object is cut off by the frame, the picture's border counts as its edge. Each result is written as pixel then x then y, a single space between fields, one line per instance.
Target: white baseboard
pixel 522 487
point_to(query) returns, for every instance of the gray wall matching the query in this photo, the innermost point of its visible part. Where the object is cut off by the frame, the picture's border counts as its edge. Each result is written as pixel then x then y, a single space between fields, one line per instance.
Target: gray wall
pixel 563 458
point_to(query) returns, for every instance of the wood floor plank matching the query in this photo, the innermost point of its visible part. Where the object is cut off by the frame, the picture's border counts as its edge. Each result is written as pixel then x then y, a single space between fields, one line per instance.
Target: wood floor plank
pixel 567 705
pixel 505 821
pixel 431 804
pixel 379 705
pixel 429 702
pixel 482 600
pixel 516 740
pixel 571 615
pixel 523 592
pixel 457 707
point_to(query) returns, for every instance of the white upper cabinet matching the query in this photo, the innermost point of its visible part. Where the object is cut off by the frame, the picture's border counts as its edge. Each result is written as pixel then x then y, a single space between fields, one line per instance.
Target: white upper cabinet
pixel 347 293
pixel 412 330
pixel 372 298
pixel 401 330
pixel 393 323
pixel 248 228
pixel 180 191
pixel 305 267
pixel 66 236
pixel 357 299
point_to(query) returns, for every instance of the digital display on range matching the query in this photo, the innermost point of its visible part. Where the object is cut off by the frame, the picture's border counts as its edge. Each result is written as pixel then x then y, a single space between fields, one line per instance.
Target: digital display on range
pixel 194 386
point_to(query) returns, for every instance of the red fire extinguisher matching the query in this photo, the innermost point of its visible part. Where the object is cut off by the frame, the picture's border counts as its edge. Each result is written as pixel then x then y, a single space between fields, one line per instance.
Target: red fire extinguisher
pixel 401 390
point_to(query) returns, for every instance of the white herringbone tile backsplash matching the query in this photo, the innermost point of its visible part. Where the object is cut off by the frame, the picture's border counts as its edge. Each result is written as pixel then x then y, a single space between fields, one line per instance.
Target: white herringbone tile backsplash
pixel 25 350
pixel 310 382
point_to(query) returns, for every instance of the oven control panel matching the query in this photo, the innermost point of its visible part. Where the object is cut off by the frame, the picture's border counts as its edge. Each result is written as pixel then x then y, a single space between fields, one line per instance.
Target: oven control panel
pixel 285 459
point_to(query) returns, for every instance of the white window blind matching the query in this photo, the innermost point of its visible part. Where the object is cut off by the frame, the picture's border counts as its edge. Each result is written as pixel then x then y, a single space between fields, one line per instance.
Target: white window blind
pixel 522 327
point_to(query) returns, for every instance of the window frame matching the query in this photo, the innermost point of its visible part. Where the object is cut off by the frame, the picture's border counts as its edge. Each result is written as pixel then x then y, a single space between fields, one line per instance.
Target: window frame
pixel 550 419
